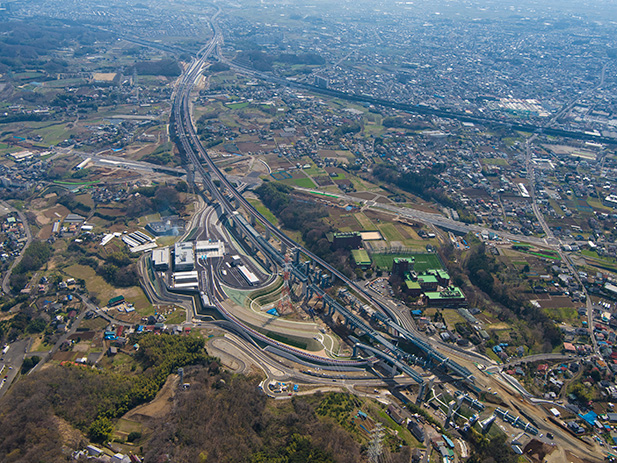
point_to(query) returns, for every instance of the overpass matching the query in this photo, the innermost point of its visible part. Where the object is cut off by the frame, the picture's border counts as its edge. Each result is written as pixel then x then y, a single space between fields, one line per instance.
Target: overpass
pixel 188 139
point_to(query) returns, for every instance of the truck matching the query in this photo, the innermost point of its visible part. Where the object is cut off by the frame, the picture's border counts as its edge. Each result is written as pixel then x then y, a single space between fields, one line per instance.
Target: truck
pixel 6 349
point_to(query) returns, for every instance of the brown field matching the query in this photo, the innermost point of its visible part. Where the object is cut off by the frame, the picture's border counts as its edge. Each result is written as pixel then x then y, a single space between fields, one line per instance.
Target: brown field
pixel 64 356
pixel 159 407
pixel 556 302
pixel 323 180
pixel 45 232
pixel 111 211
pixel 51 215
pixel 83 335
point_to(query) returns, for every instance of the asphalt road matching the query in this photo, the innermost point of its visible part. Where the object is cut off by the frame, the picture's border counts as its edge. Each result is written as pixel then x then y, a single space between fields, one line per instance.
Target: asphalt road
pixel 12 361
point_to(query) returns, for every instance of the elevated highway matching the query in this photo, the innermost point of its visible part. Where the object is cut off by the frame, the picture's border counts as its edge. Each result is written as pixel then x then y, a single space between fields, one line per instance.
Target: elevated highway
pixel 186 135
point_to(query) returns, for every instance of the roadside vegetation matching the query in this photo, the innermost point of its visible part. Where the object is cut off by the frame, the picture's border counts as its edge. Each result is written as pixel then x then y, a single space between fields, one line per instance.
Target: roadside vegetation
pixel 308 218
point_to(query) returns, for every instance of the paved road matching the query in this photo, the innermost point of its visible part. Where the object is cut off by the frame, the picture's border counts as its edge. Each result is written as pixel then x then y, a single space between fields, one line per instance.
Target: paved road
pixel 12 361
pixel 434 219
pixel 5 281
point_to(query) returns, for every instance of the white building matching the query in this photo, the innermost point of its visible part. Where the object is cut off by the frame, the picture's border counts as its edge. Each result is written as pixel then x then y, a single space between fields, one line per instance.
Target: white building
pixel 160 259
pixel 184 257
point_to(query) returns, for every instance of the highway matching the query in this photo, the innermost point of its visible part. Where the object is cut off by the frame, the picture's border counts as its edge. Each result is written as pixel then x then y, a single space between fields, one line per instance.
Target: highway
pixel 187 136
pixel 200 158
pixel 434 111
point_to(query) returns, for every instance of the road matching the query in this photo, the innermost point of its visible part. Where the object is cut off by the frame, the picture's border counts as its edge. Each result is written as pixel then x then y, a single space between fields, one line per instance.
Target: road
pixel 5 281
pixel 194 150
pixel 550 237
pixel 12 361
pixel 198 155
pixel 508 123
pixel 434 219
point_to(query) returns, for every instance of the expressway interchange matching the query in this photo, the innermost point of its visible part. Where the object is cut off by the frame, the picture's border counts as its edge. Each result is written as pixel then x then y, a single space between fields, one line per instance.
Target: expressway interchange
pixel 190 144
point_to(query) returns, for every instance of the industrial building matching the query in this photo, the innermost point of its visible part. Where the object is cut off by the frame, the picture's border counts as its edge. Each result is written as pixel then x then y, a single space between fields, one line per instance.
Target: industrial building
pixel 138 241
pixel 248 276
pixel 184 258
pixel 347 240
pixel 186 280
pixel 169 226
pixel 160 259
pixel 83 164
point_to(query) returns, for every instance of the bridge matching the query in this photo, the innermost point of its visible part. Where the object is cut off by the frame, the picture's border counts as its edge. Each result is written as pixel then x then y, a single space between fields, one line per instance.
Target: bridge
pixel 312 279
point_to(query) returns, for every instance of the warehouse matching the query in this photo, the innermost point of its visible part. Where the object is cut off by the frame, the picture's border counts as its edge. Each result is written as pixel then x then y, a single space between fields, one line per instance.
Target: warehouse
pixel 160 259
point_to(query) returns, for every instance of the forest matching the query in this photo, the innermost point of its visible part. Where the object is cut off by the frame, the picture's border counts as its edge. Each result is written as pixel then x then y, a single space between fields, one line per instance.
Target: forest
pixel 85 401
pixel 263 61
pixel 221 417
pixel 225 418
pixel 308 217
pixel 165 67
pixel 425 184
pixel 29 44
pixel 35 256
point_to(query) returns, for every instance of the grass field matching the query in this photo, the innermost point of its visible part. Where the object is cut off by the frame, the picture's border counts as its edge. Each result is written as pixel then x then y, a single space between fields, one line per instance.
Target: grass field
pixel 52 134
pixel 495 161
pixel 304 182
pixel 364 221
pixel 176 317
pixel 390 232
pixel 65 83
pixel 562 314
pixel 263 210
pixel 422 261
pixel 98 287
pixel 237 105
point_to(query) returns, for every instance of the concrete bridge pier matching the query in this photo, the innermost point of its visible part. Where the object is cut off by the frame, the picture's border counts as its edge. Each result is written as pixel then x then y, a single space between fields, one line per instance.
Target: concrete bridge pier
pixel 307 291
pixel 296 256
pixel 421 394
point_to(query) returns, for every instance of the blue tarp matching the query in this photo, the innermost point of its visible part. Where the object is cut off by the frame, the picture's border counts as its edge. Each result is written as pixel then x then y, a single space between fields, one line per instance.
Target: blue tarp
pixel 449 442
pixel 273 311
pixel 590 417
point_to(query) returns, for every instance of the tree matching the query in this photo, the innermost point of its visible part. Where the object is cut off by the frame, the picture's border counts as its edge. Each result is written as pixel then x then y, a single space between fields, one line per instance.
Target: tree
pixel 133 436
pixel 29 363
pixel 101 429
